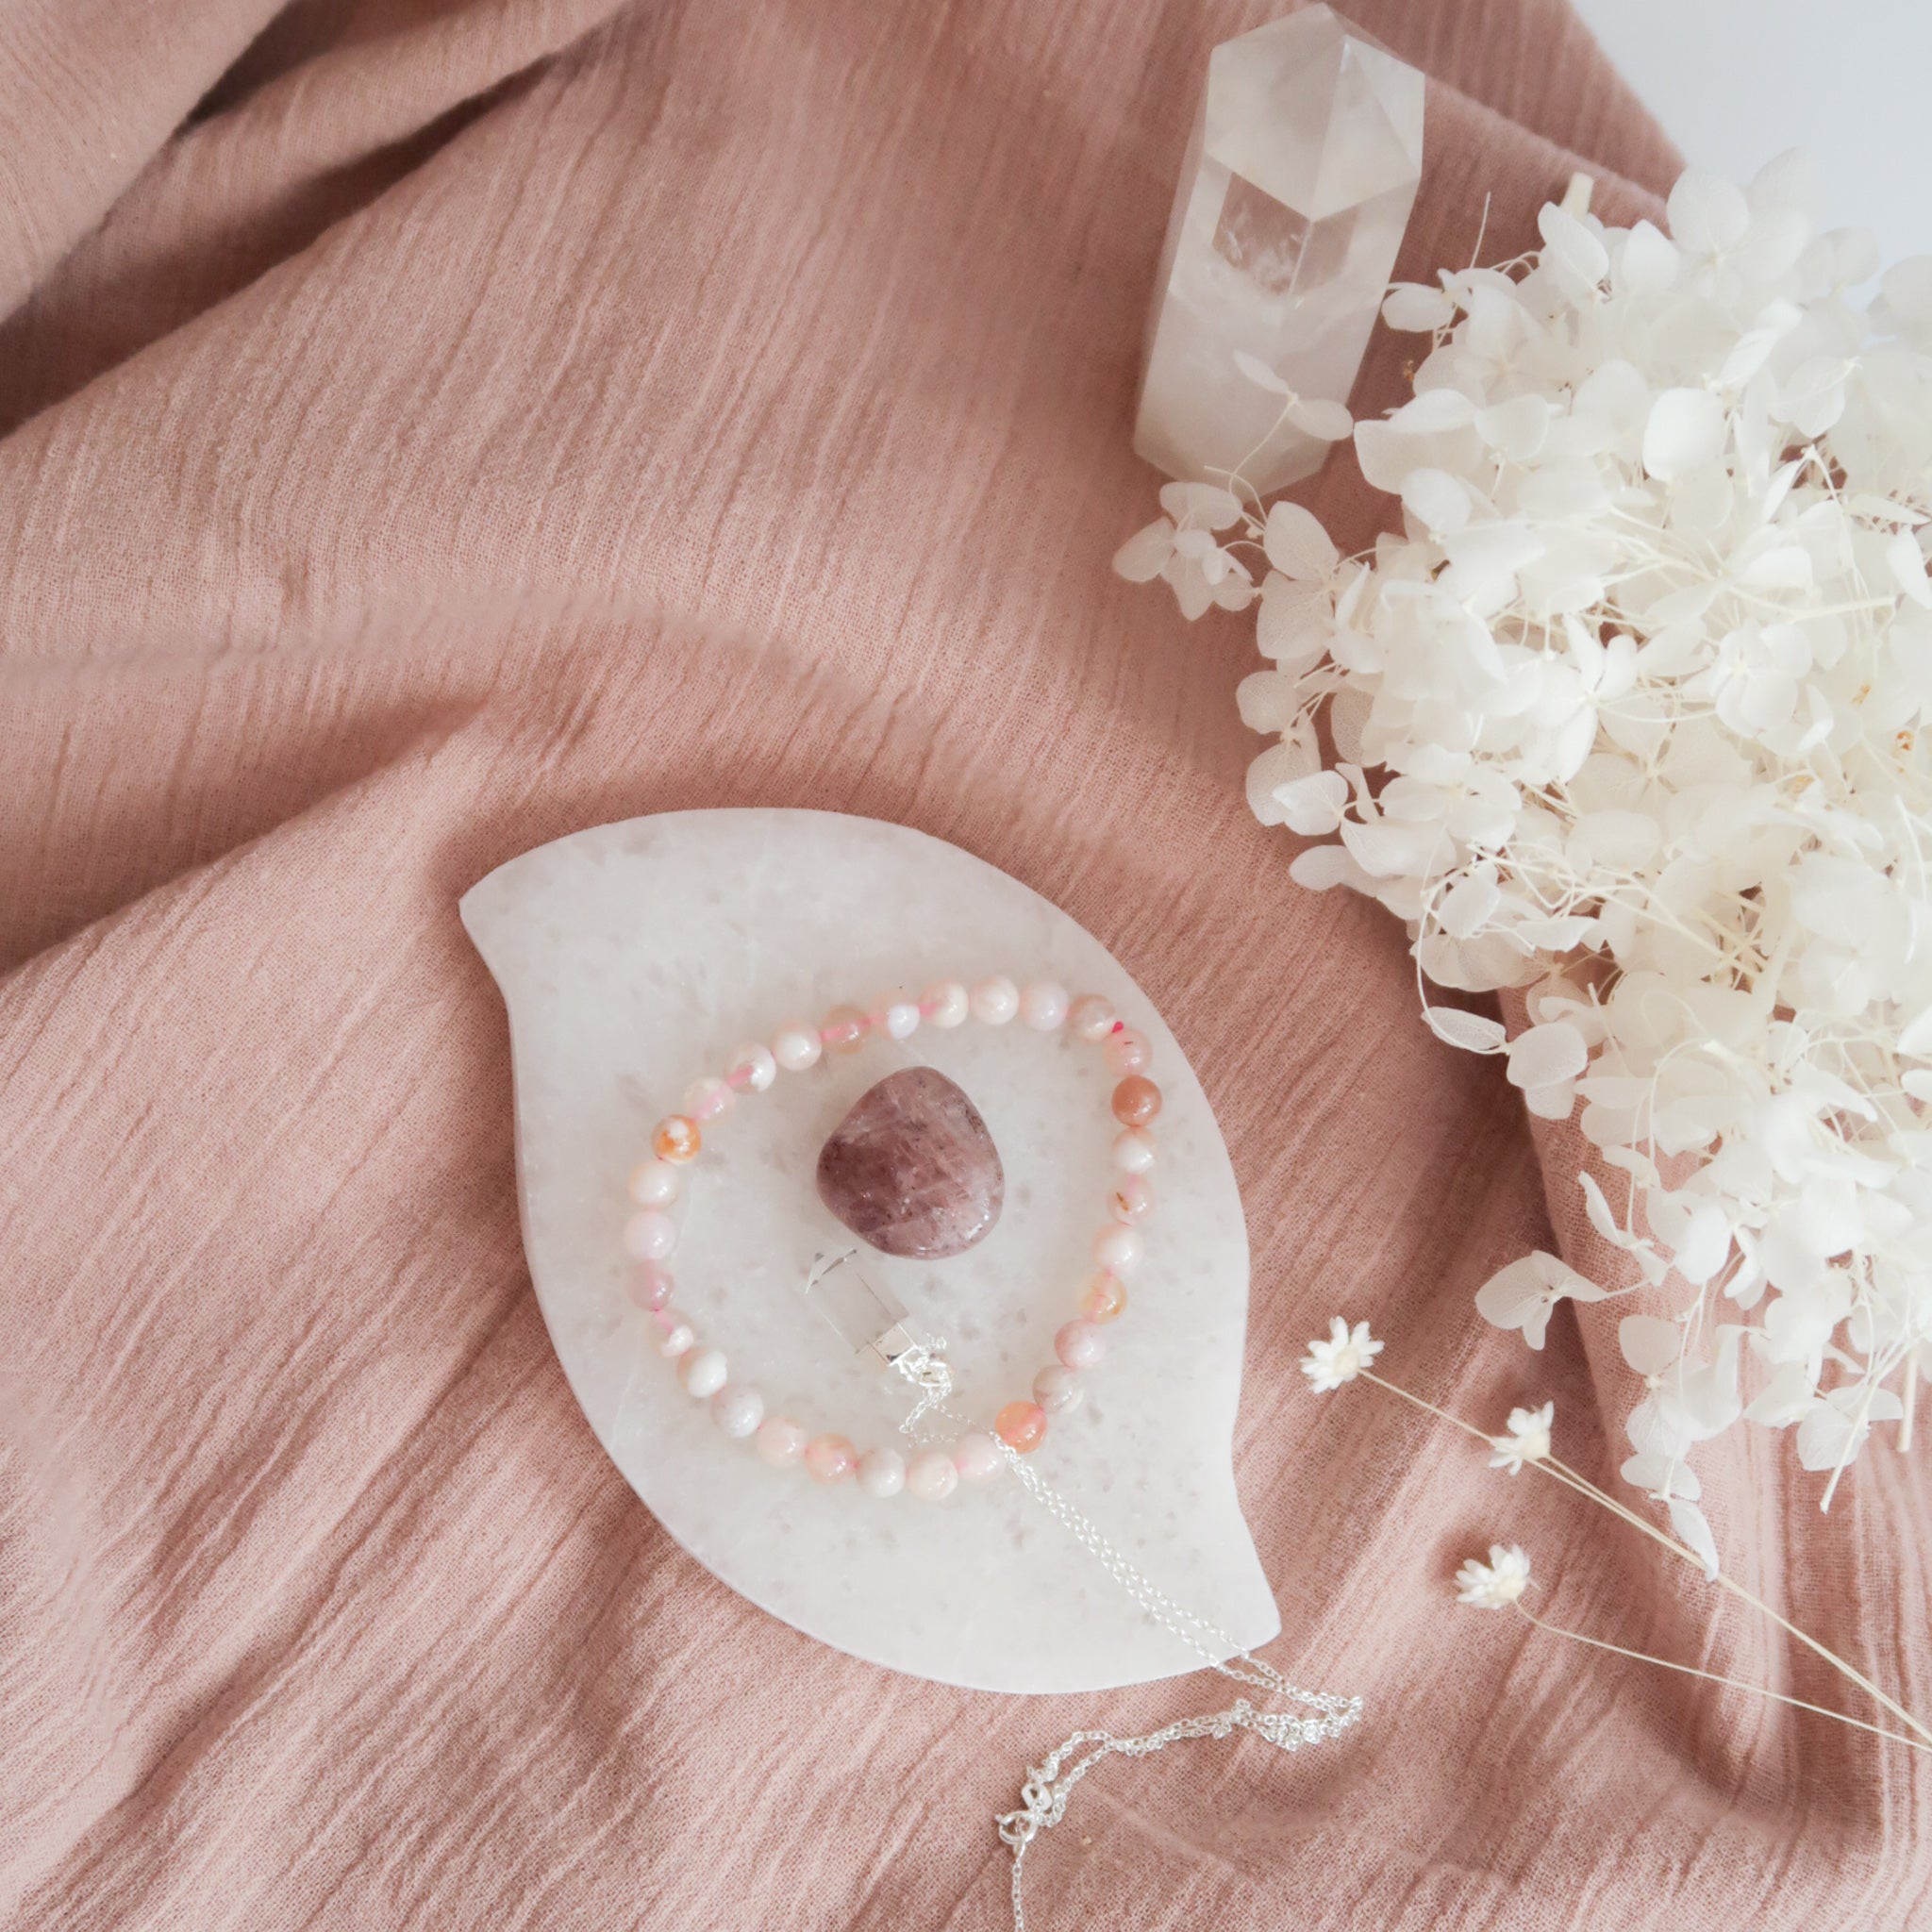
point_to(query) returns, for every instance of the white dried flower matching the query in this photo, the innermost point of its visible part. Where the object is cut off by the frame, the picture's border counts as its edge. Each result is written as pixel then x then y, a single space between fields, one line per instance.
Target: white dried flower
pixel 1498 1583
pixel 1341 1357
pixel 1634 712
pixel 1527 1438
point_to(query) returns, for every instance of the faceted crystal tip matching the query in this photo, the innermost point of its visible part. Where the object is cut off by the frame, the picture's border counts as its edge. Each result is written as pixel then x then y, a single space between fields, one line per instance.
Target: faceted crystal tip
pixel 1293 197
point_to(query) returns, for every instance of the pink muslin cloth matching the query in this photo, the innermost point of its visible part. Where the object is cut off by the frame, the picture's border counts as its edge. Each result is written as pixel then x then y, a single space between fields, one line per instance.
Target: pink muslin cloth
pixel 432 427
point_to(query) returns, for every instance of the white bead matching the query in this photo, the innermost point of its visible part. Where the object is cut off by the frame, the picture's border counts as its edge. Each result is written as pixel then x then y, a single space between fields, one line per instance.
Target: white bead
pixel 796 1046
pixel 945 1003
pixel 653 1185
pixel 881 1472
pixel 932 1477
pixel 703 1372
pixel 708 1099
pixel 1134 1150
pixel 756 1064
pixel 650 1235
pixel 1057 1389
pixel 677 1336
pixel 895 1014
pixel 1118 1250
pixel 737 1410
pixel 1043 1005
pixel 976 1457
pixel 995 1001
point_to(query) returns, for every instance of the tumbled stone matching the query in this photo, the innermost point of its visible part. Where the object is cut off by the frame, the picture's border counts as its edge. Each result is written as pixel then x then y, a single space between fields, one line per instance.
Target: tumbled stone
pixel 911 1170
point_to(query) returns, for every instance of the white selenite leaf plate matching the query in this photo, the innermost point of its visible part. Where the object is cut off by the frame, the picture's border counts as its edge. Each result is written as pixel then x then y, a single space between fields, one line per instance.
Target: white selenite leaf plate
pixel 634 958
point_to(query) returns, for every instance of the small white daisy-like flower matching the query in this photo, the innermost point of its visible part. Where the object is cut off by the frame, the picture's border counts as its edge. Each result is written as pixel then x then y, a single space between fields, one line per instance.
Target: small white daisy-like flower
pixel 1498 1583
pixel 1528 1440
pixel 1340 1358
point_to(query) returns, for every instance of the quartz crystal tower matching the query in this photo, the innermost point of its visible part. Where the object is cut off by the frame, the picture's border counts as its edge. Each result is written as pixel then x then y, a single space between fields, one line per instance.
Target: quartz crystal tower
pixel 1293 197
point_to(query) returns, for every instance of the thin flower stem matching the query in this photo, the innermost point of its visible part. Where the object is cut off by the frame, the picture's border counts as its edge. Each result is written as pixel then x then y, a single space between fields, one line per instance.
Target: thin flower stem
pixel 1712 1677
pixel 1563 1473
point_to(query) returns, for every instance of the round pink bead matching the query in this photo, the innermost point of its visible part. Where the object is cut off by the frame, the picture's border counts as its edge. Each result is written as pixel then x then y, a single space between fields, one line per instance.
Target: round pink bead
pixel 945 1004
pixel 650 1235
pixel 650 1285
pixel 1118 1250
pixel 1132 1199
pixel 830 1458
pixel 676 1336
pixel 1043 1006
pixel 796 1046
pixel 1057 1389
pixel 1135 1150
pixel 1079 1345
pixel 779 1441
pixel 1128 1050
pixel 931 1477
pixel 976 1457
pixel 653 1185
pixel 881 1472
pixel 737 1410
pixel 1090 1018
pixel 708 1099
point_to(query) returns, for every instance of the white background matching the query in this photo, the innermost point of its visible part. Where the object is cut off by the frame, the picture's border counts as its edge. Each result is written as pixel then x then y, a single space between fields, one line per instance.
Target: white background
pixel 1734 82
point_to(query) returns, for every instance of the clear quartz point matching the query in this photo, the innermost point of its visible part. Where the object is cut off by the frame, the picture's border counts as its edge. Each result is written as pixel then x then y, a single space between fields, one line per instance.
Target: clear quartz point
pixel 1293 200
pixel 868 1320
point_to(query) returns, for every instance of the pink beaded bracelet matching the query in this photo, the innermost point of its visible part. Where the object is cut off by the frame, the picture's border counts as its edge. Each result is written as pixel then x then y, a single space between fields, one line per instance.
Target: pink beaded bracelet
pixel 866 1317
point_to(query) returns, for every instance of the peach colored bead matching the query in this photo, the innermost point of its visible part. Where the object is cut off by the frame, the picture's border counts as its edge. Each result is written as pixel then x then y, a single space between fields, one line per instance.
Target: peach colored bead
pixel 708 1099
pixel 676 1139
pixel 1103 1298
pixel 844 1029
pixel 649 1286
pixel 931 1477
pixel 976 1457
pixel 945 1004
pixel 1135 1101
pixel 779 1441
pixel 895 1014
pixel 1057 1389
pixel 676 1336
pixel 1043 1005
pixel 1135 1150
pixel 1118 1249
pixel 1090 1018
pixel 797 1046
pixel 1128 1050
pixel 1020 1426
pixel 650 1235
pixel 1079 1344
pixel 830 1458
pixel 1132 1201
pixel 653 1185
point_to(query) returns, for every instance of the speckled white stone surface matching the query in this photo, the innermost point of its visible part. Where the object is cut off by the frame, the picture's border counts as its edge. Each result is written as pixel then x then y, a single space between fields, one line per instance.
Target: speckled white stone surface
pixel 635 957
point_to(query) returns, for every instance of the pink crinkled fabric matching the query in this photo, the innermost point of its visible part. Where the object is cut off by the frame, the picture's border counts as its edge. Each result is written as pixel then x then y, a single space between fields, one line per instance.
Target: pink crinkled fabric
pixel 430 429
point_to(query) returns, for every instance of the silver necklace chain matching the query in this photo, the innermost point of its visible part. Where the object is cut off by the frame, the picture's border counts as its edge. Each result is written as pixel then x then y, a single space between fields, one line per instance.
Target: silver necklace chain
pixel 1049 1784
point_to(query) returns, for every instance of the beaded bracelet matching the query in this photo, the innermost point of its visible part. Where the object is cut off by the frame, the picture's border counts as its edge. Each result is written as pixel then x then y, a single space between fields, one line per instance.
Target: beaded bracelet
pixel 934 1471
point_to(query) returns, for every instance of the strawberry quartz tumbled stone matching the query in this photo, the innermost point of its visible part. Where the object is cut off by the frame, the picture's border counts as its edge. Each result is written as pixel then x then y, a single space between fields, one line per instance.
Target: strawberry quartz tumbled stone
pixel 911 1170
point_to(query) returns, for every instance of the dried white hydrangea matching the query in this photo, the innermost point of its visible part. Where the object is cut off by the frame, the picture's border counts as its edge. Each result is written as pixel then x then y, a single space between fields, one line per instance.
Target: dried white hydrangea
pixel 1632 714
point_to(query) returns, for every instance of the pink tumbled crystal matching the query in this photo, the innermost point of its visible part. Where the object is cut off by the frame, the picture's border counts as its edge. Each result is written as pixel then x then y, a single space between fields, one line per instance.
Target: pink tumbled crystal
pixel 911 1170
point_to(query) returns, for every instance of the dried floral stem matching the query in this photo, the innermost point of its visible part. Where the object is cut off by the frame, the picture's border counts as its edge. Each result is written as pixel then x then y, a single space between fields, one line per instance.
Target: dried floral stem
pixel 1712 1677
pixel 1563 1473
